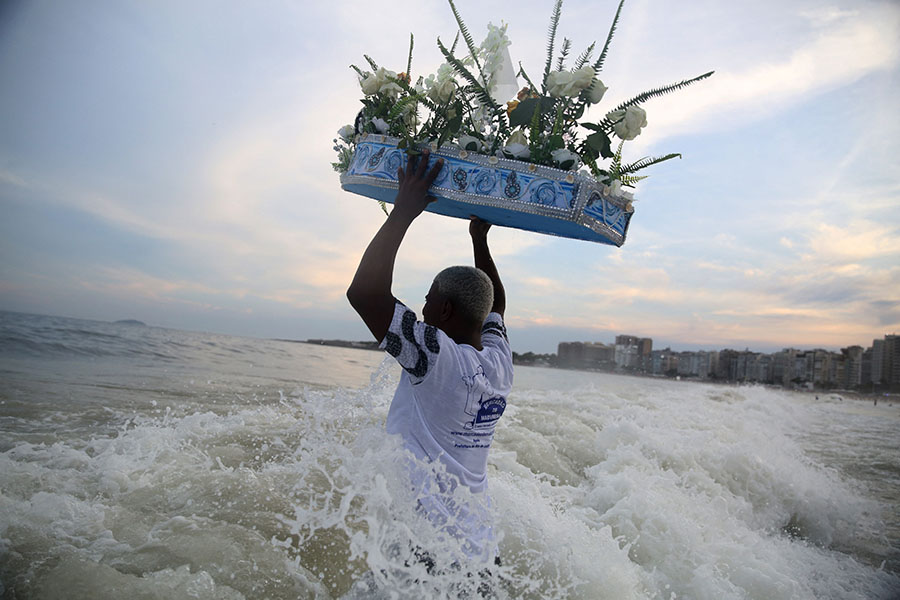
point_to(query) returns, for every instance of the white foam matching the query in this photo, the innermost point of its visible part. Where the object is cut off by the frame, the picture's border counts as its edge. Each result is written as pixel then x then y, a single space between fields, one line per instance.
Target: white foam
pixel 610 488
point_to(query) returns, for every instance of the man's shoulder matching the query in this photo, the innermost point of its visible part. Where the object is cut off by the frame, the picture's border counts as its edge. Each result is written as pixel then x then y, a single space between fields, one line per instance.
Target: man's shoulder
pixel 494 326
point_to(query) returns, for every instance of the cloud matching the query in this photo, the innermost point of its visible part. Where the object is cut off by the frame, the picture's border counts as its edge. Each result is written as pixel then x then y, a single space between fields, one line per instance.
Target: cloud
pixel 855 241
pixel 9 178
pixel 887 312
pixel 842 48
pixel 827 15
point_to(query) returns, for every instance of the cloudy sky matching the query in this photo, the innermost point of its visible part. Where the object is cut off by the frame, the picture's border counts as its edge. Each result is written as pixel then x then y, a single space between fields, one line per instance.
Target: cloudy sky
pixel 169 161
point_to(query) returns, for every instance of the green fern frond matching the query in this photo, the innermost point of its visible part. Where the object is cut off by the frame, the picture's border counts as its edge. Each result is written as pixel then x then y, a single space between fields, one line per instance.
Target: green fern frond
pixel 606 124
pixel 584 56
pixel 475 86
pixel 401 106
pixel 371 62
pixel 564 53
pixel 455 41
pixel 467 37
pixel 612 29
pixel 535 135
pixel 631 180
pixel 551 38
pixel 646 162
pixel 527 78
pixel 616 164
pixel 641 98
pixel 409 58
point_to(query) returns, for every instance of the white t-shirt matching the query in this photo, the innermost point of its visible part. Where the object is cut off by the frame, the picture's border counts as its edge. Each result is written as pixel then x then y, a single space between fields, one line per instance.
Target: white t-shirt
pixel 450 396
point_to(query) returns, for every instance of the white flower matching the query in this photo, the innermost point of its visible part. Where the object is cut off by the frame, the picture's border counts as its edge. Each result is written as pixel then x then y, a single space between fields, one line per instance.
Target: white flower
pixel 467 142
pixel 584 76
pixel 516 150
pixel 492 49
pixel 565 158
pixel 440 92
pixel 369 83
pixel 499 74
pixel 627 123
pixel 481 117
pixel 517 137
pixel 569 83
pixel 380 125
pixel 346 132
pixel 614 188
pixel 597 92
pixel 380 83
pixel 441 86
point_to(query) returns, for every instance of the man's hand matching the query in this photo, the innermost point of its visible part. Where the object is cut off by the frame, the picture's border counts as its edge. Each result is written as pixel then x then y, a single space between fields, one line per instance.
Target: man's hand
pixel 478 229
pixel 412 195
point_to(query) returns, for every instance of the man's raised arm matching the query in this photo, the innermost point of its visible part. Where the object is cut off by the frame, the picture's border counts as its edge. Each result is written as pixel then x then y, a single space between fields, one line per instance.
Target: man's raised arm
pixel 478 229
pixel 370 291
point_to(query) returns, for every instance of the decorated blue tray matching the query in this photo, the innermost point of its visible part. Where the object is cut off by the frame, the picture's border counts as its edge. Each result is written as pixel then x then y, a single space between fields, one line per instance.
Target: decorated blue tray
pixel 501 191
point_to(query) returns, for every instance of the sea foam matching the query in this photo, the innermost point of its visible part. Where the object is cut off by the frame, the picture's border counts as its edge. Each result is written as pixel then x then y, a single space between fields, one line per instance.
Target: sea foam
pixel 604 487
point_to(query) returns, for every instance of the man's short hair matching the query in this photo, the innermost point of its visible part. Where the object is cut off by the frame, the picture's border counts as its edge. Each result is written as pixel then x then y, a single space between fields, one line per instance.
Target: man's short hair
pixel 469 289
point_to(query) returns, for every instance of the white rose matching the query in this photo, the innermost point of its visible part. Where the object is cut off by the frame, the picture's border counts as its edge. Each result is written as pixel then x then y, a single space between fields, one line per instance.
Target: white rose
pixel 516 150
pixel 583 77
pixel 369 84
pixel 441 87
pixel 569 83
pixel 565 158
pixel 380 125
pixel 346 132
pixel 615 188
pixel 441 92
pixel 388 87
pixel 627 123
pixel 558 82
pixel 467 142
pixel 380 83
pixel 517 137
pixel 597 92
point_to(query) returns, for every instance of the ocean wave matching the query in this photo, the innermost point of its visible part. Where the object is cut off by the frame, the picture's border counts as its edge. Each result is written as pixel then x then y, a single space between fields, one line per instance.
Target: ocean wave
pixel 207 477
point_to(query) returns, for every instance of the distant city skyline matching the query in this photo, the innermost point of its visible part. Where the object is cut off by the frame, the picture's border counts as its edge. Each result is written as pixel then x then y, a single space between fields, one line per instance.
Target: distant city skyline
pixel 872 368
pixel 690 347
pixel 166 166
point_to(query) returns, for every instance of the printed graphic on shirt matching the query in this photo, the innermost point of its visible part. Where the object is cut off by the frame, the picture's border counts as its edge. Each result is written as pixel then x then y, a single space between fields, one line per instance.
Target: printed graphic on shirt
pixel 412 343
pixel 483 404
pixel 494 328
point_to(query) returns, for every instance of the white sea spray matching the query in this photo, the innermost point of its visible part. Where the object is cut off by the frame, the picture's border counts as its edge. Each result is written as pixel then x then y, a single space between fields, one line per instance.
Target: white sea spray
pixel 217 480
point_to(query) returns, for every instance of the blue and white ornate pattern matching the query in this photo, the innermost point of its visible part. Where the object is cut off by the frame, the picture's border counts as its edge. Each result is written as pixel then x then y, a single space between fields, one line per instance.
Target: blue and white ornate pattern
pixel 550 200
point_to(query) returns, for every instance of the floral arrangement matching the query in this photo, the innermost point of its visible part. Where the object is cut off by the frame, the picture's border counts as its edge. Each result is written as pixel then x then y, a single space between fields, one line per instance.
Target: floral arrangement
pixel 468 102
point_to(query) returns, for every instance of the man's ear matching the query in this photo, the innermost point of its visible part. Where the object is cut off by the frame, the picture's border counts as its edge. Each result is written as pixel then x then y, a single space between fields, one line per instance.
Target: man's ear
pixel 446 310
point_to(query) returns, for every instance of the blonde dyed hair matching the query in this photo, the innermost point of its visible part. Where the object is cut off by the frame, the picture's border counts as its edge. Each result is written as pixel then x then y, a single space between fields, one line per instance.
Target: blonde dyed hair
pixel 469 289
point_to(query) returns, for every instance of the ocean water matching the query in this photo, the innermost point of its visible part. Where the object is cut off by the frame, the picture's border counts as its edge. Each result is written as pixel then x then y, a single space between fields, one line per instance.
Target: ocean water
pixel 139 462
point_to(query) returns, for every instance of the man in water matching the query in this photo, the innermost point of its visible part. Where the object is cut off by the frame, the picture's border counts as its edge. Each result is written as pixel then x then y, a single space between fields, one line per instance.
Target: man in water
pixel 457 364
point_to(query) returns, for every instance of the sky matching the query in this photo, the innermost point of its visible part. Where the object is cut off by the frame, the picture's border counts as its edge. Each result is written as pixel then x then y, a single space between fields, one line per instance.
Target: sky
pixel 169 161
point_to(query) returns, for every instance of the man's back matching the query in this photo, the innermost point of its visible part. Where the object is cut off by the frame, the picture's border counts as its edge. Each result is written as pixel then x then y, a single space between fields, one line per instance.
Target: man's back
pixel 451 395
